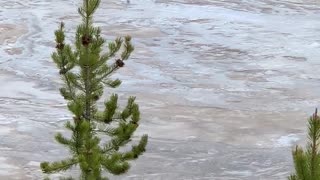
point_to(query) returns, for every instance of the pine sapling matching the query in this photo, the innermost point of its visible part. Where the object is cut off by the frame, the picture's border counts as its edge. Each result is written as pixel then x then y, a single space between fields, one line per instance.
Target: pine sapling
pixel 307 162
pixel 85 72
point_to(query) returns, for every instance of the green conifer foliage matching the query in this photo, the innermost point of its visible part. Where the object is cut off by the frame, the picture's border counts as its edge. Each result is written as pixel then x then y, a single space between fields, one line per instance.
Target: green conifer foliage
pixel 85 72
pixel 307 162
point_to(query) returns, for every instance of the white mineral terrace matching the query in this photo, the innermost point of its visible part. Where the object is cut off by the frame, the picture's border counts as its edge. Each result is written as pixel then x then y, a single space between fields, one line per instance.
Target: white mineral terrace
pixel 225 86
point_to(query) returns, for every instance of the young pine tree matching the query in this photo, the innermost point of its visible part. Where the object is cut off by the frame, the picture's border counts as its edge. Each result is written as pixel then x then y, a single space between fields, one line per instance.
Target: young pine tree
pixel 307 162
pixel 85 71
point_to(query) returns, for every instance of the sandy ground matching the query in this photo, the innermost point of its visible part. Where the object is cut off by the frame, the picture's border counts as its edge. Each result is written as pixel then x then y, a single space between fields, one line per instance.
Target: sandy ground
pixel 225 87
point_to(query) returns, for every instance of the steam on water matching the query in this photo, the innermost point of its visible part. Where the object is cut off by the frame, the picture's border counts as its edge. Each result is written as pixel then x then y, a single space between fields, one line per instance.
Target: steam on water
pixel 224 86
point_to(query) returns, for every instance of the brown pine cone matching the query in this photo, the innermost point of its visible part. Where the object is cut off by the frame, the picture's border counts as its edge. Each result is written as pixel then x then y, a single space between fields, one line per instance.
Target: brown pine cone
pixel 62 71
pixel 86 40
pixel 60 46
pixel 120 63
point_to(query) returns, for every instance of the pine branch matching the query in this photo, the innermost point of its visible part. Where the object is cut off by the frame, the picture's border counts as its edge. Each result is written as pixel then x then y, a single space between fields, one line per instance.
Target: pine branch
pixel 110 108
pixel 293 177
pixel 64 60
pixel 136 150
pixel 114 47
pixel 313 128
pixel 63 140
pixel 111 70
pixel 128 48
pixel 112 83
pixel 64 165
pixel 114 165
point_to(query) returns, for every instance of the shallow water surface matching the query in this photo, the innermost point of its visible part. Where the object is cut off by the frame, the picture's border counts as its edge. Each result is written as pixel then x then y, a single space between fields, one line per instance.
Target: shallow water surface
pixel 225 87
